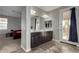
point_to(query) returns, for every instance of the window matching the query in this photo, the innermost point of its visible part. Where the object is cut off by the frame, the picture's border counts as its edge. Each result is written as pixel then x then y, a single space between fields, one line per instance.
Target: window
pixel 3 23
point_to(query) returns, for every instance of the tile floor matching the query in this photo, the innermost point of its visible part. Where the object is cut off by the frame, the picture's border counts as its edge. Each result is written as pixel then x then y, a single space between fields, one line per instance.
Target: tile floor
pixel 9 45
pixel 55 47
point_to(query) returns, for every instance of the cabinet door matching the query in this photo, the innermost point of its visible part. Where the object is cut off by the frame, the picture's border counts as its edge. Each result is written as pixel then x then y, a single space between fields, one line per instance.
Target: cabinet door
pixel 35 40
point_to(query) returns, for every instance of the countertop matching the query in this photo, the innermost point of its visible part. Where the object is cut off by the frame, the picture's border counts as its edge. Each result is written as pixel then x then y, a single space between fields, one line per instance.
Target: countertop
pixel 42 30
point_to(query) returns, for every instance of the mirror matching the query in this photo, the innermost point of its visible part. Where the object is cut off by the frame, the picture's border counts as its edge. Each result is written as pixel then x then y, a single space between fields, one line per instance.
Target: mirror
pixel 37 23
pixel 48 24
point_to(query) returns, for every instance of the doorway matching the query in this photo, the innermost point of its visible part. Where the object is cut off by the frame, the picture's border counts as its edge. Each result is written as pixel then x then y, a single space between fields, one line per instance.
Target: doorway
pixel 66 25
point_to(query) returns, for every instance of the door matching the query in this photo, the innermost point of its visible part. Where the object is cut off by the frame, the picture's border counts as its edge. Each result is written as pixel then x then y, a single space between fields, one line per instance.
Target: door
pixel 66 25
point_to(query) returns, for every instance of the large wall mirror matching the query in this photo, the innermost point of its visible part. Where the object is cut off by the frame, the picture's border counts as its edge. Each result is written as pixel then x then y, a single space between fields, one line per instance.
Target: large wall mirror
pixel 37 23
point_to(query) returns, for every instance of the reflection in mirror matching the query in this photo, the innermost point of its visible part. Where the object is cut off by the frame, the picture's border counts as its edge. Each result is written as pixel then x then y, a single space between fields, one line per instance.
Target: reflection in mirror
pixel 48 24
pixel 36 22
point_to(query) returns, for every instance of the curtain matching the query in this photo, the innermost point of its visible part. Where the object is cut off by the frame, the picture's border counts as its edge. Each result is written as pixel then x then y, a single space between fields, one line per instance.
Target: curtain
pixel 73 27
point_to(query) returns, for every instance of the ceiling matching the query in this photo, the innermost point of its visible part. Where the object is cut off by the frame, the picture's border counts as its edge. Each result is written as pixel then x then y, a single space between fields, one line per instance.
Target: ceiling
pixel 13 11
pixel 48 8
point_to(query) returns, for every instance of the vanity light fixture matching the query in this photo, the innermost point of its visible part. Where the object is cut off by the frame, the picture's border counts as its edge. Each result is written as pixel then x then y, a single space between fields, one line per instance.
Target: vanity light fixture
pixel 45 16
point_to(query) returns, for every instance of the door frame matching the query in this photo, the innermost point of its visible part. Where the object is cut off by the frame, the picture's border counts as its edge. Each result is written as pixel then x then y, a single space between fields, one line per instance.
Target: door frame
pixel 60 22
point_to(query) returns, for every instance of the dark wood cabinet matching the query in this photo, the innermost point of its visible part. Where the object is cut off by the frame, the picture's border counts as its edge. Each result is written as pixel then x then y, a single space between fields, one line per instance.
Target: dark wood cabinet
pixel 38 38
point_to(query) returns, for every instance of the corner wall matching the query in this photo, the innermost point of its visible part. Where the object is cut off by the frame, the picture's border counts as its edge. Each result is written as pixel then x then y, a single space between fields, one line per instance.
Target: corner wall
pixel 26 29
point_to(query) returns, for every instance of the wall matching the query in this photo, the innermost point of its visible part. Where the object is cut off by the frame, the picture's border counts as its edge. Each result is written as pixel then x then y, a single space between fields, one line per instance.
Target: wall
pixel 77 16
pixel 55 23
pixel 14 23
pixel 42 23
pixel 23 27
pixel 26 29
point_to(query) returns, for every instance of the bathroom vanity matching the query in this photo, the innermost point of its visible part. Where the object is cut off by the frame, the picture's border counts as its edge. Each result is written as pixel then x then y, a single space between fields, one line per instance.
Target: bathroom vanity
pixel 40 37
pixel 41 30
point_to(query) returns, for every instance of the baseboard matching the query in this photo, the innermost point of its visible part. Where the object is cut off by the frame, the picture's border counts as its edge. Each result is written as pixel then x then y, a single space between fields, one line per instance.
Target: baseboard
pixel 69 42
pixel 28 50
